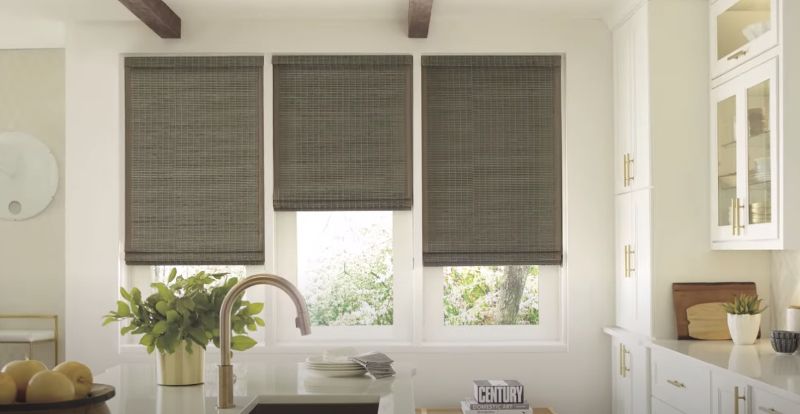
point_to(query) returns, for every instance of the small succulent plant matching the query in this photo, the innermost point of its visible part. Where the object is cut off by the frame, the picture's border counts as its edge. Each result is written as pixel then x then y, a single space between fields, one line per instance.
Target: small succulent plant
pixel 744 305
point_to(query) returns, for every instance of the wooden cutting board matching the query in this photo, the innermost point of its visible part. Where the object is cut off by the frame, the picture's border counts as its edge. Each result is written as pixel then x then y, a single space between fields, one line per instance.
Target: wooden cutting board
pixel 708 321
pixel 708 325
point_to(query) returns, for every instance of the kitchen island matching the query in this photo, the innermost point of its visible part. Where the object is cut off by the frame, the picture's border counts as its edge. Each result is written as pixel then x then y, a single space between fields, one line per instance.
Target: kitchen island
pixel 138 393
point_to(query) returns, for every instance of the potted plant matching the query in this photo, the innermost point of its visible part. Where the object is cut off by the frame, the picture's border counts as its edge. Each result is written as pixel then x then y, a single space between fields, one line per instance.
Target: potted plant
pixel 180 318
pixel 744 318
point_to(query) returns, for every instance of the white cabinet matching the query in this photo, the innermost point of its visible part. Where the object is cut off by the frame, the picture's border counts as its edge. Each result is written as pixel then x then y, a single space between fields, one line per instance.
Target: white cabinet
pixel 633 261
pixel 740 31
pixel 631 104
pixel 729 394
pixel 755 119
pixel 630 369
pixel 744 147
pixel 660 407
pixel 763 402
pixel 680 382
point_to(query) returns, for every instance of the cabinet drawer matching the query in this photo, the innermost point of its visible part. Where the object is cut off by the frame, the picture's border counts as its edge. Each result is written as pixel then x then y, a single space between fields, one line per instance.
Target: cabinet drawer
pixel 764 402
pixel 660 407
pixel 681 382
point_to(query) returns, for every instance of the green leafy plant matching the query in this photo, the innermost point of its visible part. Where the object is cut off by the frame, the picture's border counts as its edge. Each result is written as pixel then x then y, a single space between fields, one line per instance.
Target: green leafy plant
pixel 744 305
pixel 185 309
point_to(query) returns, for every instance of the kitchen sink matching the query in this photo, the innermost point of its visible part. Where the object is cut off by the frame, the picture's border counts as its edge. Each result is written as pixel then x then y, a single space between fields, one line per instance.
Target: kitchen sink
pixel 315 404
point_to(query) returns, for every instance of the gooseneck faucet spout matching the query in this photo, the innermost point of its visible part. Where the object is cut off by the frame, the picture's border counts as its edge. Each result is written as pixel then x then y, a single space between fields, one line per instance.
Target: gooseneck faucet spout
pixel 225 397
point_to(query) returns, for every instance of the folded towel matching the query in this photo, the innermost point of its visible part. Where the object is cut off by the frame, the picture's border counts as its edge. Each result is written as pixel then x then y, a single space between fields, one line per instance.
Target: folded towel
pixel 377 364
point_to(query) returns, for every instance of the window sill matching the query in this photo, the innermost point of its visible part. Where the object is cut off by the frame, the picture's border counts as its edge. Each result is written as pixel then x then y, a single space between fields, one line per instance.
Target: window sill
pixel 511 347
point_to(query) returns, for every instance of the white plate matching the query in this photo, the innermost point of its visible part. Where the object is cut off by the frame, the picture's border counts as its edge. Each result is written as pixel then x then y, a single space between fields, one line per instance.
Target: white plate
pixel 338 374
pixel 335 369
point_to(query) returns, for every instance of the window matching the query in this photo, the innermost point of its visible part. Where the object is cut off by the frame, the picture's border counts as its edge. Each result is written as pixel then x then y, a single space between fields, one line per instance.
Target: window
pixel 353 268
pixel 491 295
pixel 344 267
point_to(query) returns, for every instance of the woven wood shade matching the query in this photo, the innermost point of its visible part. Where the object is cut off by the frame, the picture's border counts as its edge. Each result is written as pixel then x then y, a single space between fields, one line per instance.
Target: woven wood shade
pixel 194 160
pixel 492 160
pixel 342 132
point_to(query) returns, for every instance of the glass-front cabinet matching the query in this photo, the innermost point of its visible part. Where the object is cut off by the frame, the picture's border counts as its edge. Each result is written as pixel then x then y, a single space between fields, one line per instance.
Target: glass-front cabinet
pixel 740 30
pixel 744 153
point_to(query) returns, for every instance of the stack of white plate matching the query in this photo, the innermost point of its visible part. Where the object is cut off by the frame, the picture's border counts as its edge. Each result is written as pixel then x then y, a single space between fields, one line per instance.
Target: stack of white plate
pixel 334 368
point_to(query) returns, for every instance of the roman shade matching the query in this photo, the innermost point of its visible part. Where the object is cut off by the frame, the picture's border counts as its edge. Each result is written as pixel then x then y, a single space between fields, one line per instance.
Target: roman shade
pixel 491 160
pixel 194 160
pixel 342 132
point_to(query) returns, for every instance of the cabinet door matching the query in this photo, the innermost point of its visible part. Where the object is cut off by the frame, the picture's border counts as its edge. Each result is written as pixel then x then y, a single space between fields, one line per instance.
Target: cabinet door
pixel 631 372
pixel 741 30
pixel 623 104
pixel 624 244
pixel 633 261
pixel 744 158
pixel 729 395
pixel 632 104
pixel 622 383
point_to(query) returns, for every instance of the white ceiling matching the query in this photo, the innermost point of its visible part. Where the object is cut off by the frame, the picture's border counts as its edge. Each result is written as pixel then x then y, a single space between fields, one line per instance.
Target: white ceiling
pixel 112 10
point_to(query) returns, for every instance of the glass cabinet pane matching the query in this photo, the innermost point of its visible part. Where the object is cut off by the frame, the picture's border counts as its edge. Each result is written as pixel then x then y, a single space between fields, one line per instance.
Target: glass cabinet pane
pixel 726 159
pixel 743 22
pixel 759 191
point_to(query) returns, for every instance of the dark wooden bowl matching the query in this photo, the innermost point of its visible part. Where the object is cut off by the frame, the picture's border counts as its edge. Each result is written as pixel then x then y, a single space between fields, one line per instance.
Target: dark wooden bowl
pixel 100 393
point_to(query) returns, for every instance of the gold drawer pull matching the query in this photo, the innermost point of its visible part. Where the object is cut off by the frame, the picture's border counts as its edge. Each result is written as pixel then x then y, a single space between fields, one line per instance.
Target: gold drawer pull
pixel 768 410
pixel 676 384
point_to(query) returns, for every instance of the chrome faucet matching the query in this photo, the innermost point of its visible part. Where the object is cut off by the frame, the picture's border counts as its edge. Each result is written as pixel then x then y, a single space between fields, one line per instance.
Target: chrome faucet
pixel 225 397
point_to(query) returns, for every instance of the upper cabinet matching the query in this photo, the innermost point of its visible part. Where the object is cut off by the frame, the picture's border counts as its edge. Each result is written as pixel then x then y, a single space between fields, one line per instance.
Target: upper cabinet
pixel 740 31
pixel 744 154
pixel 632 105
pixel 755 122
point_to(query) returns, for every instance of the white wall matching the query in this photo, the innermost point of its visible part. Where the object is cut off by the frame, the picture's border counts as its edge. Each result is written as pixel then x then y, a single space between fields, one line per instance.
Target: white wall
pixel 681 152
pixel 576 381
pixel 32 251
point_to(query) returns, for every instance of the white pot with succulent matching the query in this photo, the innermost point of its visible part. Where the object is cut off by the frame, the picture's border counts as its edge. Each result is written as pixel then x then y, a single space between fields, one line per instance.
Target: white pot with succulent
pixel 181 318
pixel 744 318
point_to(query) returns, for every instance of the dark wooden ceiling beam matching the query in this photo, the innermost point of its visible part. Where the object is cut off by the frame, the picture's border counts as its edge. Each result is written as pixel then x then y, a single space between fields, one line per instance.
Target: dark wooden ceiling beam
pixel 419 18
pixel 157 16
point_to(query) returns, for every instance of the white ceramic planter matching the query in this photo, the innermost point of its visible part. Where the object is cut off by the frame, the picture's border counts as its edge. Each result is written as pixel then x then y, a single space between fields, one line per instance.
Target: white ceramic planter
pixel 744 328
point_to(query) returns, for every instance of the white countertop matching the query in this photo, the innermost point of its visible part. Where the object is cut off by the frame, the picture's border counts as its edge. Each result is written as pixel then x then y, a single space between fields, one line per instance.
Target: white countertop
pixel 138 393
pixel 757 362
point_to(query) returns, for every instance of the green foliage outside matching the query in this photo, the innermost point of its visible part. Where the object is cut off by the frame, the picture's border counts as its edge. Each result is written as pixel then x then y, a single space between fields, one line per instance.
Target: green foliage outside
pixel 354 287
pixel 473 296
pixel 185 309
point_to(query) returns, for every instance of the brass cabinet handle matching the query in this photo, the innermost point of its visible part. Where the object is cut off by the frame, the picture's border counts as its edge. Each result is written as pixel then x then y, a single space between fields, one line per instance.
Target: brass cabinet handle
pixel 737 55
pixel 768 410
pixel 625 260
pixel 736 217
pixel 628 260
pixel 625 159
pixel 623 367
pixel 736 399
pixel 676 384
pixel 627 176
pixel 738 207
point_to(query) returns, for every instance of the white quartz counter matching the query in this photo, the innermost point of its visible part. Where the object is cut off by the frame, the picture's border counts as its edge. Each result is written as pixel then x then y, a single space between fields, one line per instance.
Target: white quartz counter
pixel 756 362
pixel 138 393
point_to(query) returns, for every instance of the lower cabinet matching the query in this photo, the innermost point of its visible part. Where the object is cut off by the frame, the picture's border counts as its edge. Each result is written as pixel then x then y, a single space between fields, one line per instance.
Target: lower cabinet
pixel 630 371
pixel 680 382
pixel 764 402
pixel 729 394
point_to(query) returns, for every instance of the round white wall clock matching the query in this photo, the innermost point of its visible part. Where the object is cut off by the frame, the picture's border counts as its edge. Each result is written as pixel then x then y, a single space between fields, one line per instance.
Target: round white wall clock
pixel 28 176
